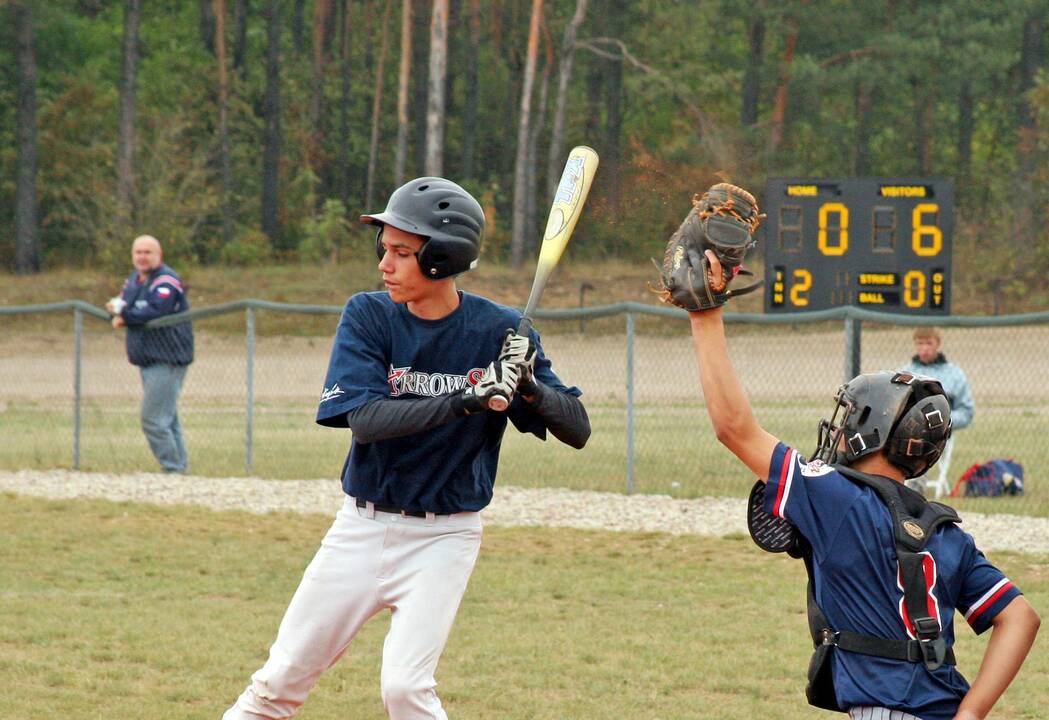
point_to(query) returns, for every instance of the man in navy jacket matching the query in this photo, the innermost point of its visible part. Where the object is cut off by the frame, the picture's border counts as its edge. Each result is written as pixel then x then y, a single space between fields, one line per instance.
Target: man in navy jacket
pixel 162 354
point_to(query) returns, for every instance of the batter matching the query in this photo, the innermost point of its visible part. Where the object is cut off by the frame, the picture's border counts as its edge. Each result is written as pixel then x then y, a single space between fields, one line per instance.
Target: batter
pixel 412 370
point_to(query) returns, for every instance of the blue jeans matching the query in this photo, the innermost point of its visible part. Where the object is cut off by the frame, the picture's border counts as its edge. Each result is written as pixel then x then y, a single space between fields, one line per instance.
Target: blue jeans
pixel 161 385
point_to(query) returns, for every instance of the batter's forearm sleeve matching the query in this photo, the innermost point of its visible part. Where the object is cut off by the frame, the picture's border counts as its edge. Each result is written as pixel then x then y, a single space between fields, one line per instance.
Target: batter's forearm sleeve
pixel 563 414
pixel 384 419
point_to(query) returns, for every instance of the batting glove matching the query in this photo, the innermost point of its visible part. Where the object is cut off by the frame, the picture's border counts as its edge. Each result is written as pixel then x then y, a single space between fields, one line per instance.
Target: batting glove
pixel 527 384
pixel 521 351
pixel 499 378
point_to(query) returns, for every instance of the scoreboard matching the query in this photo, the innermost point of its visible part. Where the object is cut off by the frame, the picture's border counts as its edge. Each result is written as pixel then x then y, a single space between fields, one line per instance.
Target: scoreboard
pixel 882 244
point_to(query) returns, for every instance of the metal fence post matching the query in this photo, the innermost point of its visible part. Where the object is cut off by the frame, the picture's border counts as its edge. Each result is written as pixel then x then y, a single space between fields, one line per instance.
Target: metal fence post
pixel 249 430
pixel 78 332
pixel 629 403
pixel 583 287
pixel 853 337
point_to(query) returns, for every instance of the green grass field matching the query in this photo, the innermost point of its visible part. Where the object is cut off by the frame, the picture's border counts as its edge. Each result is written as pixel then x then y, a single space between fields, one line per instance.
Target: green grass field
pixel 116 610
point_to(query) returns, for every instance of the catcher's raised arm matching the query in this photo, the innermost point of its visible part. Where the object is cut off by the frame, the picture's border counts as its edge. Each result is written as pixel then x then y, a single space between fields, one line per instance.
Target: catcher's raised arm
pixel 723 219
pixel 702 259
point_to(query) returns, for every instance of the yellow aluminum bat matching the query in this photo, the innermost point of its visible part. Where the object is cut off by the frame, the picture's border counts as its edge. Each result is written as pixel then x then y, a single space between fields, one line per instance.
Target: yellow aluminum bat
pixel 571 194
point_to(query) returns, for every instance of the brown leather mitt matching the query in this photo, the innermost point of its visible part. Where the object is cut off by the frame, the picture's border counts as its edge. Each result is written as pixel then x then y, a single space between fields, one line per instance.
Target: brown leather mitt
pixel 722 219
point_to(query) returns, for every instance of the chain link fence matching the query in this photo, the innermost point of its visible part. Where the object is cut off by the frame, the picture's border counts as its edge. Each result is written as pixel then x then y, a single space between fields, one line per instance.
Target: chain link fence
pixel 69 398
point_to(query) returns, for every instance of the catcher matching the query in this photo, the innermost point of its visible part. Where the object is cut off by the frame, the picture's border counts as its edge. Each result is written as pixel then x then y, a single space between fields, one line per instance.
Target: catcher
pixel 888 570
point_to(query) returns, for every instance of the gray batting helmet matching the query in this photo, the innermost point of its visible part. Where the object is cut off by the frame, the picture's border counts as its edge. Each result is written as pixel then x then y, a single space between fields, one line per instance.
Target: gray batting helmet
pixel 908 415
pixel 442 212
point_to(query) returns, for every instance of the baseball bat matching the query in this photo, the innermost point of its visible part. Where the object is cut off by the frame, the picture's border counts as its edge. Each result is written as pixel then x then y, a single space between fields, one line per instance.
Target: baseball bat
pixel 571 193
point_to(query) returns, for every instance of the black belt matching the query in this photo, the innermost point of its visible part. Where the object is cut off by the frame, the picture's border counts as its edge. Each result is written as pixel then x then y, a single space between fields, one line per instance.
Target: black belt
pixel 390 509
pixel 932 652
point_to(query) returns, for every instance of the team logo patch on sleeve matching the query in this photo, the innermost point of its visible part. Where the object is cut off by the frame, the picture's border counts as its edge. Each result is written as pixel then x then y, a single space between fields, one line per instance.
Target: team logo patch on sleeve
pixel 166 280
pixel 164 291
pixel 333 392
pixel 816 468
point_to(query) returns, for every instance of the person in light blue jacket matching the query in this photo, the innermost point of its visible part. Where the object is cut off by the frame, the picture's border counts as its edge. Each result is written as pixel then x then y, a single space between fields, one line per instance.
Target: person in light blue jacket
pixel 929 360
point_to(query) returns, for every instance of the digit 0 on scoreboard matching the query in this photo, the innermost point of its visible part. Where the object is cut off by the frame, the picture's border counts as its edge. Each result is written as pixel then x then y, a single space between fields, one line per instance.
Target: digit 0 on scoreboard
pixel 879 243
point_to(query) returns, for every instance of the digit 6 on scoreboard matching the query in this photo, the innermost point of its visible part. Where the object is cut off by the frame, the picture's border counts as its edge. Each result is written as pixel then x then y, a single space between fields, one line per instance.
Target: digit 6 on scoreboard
pixel 921 230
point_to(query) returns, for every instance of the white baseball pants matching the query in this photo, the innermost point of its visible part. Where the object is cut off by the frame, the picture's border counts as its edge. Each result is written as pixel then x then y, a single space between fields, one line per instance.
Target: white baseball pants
pixel 368 561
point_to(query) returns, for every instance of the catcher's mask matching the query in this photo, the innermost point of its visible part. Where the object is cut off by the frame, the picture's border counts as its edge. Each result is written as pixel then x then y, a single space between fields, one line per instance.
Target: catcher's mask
pixel 908 415
pixel 448 218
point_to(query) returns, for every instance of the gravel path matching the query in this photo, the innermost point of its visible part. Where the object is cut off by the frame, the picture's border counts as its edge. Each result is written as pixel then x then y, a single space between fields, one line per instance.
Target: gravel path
pixel 511 505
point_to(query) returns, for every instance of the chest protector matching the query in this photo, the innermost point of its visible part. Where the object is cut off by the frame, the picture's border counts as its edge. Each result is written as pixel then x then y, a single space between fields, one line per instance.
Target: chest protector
pixel 914 520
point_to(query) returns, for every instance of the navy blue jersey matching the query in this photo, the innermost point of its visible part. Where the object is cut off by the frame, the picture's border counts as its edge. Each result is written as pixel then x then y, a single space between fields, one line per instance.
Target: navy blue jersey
pixel 161 293
pixel 857 584
pixel 381 350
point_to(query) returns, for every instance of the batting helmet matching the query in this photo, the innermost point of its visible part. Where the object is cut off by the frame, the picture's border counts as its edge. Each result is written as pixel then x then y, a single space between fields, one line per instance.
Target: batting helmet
pixel 907 415
pixel 446 215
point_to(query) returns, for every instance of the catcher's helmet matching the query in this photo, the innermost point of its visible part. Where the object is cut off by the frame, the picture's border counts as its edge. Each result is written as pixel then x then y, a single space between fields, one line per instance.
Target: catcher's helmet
pixel 446 215
pixel 907 415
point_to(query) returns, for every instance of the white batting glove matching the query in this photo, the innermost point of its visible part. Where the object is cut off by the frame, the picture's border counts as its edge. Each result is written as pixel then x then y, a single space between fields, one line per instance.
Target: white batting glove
pixel 521 351
pixel 500 379
pixel 517 349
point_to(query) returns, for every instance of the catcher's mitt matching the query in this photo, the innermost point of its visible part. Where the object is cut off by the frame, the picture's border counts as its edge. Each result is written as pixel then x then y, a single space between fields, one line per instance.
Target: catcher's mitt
pixel 723 219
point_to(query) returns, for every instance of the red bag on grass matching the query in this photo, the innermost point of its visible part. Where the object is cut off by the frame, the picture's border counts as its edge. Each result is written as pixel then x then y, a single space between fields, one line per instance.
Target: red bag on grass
pixel 991 479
